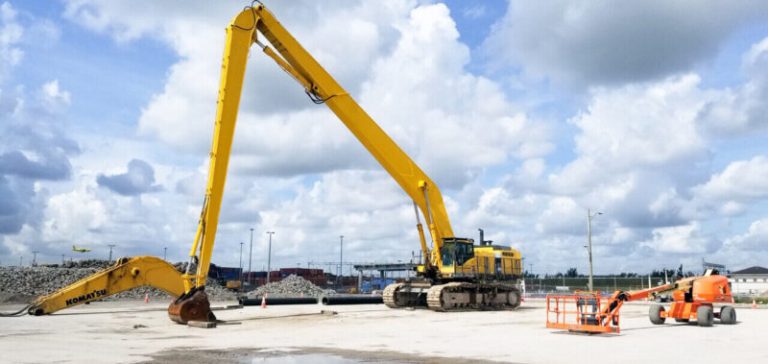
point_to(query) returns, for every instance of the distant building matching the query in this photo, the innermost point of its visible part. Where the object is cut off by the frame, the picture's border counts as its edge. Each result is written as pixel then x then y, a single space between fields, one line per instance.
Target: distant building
pixel 753 280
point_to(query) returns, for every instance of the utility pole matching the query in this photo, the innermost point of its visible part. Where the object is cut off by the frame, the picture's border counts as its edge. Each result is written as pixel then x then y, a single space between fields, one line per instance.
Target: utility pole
pixel 341 259
pixel 250 257
pixel 590 216
pixel 34 258
pixel 269 255
pixel 110 251
pixel 241 264
pixel 21 260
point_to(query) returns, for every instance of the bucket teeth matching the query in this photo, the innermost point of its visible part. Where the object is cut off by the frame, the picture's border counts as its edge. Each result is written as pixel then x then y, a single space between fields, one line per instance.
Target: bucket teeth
pixel 191 306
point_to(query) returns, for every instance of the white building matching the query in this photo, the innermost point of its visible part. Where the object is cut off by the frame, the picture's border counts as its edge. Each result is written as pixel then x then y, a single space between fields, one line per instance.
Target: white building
pixel 750 281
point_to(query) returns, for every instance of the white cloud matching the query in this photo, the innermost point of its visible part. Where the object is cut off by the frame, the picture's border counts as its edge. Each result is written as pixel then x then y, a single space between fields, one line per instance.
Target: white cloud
pixel 742 110
pixel 639 148
pixel 476 11
pixel 741 183
pixel 407 66
pixel 614 42
pixel 54 97
pixel 755 239
pixel 562 216
pixel 683 239
pixel 71 216
pixel 642 125
pixel 11 33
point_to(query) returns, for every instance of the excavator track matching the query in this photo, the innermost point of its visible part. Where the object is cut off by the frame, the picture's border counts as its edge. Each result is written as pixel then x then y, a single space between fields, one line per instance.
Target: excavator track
pixel 407 294
pixel 389 295
pixel 463 296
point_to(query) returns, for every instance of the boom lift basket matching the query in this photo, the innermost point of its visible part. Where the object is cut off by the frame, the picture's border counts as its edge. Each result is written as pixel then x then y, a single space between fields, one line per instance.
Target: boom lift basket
pixel 581 312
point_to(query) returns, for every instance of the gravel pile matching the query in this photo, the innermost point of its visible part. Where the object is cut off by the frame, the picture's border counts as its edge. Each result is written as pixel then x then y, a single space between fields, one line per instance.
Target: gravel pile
pixel 85 263
pixel 290 286
pixel 21 285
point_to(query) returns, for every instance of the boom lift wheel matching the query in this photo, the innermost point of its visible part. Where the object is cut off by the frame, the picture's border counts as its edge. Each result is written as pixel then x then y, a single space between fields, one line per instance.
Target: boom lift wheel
pixel 705 315
pixel 727 315
pixel 654 313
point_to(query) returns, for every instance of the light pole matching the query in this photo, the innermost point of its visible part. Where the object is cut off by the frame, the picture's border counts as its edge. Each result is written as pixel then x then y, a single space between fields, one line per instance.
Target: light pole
pixel 269 255
pixel 341 258
pixel 590 216
pixel 34 258
pixel 165 253
pixel 250 257
pixel 110 251
pixel 241 263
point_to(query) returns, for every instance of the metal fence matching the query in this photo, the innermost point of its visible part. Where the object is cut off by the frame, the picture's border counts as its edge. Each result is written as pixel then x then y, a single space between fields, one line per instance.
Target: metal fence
pixel 602 283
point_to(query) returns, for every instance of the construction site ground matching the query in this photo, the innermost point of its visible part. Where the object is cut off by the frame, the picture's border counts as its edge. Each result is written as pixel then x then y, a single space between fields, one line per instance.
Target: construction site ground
pixel 128 332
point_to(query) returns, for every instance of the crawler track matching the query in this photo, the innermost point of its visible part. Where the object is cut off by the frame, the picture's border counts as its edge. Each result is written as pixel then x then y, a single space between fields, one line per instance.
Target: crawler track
pixel 453 296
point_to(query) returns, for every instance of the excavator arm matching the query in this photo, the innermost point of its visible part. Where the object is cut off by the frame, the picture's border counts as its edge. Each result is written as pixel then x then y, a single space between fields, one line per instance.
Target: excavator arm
pixel 125 274
pixel 321 87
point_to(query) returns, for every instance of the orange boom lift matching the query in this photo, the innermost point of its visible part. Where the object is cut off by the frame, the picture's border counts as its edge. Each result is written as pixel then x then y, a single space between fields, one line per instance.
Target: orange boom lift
pixel 693 299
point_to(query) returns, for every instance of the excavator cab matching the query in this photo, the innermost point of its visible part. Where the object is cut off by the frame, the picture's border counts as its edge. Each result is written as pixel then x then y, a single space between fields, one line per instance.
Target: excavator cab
pixel 457 251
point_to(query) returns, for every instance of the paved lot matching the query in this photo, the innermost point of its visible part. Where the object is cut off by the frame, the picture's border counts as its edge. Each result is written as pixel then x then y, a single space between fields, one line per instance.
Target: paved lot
pixel 111 332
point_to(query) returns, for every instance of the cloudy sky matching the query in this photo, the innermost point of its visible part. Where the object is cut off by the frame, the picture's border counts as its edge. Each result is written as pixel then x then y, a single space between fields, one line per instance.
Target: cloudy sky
pixel 654 113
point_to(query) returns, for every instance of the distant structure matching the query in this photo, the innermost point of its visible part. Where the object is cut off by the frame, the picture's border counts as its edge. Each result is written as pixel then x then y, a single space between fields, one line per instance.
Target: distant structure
pixel 750 281
pixel 718 267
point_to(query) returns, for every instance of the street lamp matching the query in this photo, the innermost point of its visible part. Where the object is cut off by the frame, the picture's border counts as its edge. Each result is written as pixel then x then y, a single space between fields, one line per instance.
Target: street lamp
pixel 590 216
pixel 241 263
pixel 269 255
pixel 341 258
pixel 250 257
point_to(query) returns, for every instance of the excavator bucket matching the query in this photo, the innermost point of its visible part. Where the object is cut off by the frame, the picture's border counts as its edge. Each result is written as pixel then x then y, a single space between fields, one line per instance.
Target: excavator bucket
pixel 191 306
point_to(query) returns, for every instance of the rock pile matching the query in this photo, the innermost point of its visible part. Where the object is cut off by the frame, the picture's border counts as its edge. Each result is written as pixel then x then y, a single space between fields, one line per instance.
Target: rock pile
pixel 290 286
pixel 84 263
pixel 21 285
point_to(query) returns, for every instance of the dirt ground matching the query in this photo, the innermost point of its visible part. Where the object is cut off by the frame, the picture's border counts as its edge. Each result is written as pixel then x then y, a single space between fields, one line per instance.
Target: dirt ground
pixel 127 332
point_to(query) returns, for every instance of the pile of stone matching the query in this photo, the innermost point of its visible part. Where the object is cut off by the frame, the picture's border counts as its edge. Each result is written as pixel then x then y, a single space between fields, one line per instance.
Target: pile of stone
pixel 84 263
pixel 24 284
pixel 291 286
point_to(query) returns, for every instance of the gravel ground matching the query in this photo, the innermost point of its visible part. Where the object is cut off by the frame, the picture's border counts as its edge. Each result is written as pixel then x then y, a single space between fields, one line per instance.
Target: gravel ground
pixel 130 332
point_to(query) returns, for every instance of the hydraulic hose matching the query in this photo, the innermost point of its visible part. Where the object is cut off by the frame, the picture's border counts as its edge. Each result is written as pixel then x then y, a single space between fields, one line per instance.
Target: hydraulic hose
pixel 18 313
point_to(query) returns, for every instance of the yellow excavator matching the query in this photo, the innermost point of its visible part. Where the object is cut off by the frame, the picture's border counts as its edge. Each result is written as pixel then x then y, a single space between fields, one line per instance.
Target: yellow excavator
pixel 456 274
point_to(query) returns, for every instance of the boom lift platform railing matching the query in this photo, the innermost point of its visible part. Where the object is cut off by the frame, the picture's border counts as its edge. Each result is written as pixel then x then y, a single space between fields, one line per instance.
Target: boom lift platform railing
pixel 582 312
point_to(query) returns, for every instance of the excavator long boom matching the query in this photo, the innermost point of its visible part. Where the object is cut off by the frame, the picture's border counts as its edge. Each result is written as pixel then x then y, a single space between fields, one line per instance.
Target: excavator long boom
pixel 242 33
pixel 323 88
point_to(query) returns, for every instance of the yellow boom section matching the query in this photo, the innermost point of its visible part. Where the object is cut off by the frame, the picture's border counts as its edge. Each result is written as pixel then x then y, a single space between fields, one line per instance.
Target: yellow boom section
pixel 125 274
pixel 239 38
pixel 322 88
